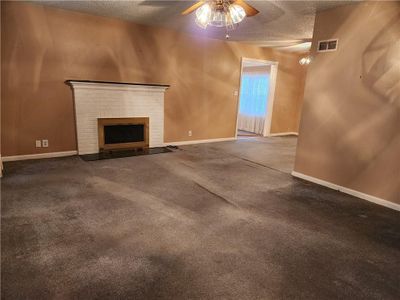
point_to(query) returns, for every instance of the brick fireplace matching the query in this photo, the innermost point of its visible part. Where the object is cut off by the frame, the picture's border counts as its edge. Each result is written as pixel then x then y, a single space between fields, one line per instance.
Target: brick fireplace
pixel 116 102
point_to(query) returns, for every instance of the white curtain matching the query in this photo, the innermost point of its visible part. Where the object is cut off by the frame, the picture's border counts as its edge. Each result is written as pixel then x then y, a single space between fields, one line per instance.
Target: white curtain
pixel 253 102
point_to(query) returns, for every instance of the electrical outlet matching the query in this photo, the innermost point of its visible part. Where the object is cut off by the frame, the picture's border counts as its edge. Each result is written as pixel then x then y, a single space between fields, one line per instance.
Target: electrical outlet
pixel 38 143
pixel 189 133
pixel 235 93
pixel 45 143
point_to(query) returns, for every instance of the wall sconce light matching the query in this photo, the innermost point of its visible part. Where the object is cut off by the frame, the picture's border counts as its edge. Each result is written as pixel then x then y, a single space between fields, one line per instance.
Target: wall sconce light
pixel 305 60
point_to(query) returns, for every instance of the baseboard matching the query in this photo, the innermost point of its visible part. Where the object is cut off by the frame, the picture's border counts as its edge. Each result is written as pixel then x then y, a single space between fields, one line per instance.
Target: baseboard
pixel 200 141
pixel 282 134
pixel 39 155
pixel 346 190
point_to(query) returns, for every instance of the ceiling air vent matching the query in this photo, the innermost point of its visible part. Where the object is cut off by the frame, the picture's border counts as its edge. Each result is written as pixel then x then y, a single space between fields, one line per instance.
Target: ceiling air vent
pixel 328 45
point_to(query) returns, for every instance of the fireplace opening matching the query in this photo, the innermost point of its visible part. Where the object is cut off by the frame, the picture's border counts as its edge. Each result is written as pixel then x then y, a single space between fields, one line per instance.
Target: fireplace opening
pixel 115 134
pixel 123 133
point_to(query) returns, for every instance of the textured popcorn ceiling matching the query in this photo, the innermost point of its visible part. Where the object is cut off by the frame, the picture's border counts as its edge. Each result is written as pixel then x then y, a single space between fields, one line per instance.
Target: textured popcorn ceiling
pixel 282 24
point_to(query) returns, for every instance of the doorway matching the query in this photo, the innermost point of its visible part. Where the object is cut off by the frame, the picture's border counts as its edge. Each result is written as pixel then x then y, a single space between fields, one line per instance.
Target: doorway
pixel 256 97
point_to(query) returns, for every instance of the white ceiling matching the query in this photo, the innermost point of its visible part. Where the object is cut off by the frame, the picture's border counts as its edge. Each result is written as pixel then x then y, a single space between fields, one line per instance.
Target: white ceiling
pixel 286 25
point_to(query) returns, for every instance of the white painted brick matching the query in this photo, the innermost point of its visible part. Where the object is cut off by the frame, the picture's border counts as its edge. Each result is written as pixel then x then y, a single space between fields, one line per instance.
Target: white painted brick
pixel 93 101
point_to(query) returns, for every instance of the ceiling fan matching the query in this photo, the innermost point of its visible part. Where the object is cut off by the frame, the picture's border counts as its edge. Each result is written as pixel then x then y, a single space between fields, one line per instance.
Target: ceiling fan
pixel 221 13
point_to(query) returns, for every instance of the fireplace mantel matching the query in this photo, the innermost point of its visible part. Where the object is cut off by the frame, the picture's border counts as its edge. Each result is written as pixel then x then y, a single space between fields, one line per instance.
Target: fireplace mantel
pixel 96 84
pixel 102 99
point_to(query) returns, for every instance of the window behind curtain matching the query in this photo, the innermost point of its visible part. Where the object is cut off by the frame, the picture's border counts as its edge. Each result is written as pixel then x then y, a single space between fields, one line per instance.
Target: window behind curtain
pixel 253 94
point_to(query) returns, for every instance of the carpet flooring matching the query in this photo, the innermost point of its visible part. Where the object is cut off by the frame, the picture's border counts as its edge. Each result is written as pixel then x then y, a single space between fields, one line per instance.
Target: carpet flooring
pixel 243 133
pixel 211 221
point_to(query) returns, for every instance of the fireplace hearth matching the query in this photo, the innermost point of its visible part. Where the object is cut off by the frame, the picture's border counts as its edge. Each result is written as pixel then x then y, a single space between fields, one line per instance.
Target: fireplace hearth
pixel 124 153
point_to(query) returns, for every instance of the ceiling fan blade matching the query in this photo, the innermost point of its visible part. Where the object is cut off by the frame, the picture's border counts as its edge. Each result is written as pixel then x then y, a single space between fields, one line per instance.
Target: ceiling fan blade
pixel 250 10
pixel 193 8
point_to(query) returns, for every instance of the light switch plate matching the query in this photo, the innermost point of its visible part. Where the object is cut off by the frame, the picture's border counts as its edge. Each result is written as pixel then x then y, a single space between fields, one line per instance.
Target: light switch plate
pixel 38 143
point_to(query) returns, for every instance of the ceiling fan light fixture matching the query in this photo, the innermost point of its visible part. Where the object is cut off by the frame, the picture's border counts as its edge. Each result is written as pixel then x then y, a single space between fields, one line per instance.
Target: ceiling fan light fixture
pixel 218 18
pixel 203 15
pixel 237 13
pixel 220 14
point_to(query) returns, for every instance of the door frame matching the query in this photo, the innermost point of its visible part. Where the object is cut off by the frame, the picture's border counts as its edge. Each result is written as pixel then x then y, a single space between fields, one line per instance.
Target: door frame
pixel 271 92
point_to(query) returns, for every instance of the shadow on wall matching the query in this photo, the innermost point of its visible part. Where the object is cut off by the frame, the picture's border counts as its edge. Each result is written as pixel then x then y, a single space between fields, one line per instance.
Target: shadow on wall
pixel 381 63
pixel 380 74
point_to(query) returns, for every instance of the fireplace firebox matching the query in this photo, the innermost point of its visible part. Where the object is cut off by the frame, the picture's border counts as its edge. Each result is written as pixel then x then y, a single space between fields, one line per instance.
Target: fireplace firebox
pixel 123 133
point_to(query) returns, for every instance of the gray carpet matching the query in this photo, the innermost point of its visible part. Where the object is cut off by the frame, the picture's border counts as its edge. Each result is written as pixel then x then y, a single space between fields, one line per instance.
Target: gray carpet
pixel 216 221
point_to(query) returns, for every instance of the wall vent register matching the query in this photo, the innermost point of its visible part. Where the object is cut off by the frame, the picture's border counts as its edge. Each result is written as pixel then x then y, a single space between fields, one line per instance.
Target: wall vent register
pixel 328 45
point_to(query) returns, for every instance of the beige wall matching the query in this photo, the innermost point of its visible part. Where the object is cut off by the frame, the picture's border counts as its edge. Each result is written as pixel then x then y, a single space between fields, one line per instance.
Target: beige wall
pixel 257 69
pixel 289 94
pixel 350 127
pixel 42 47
